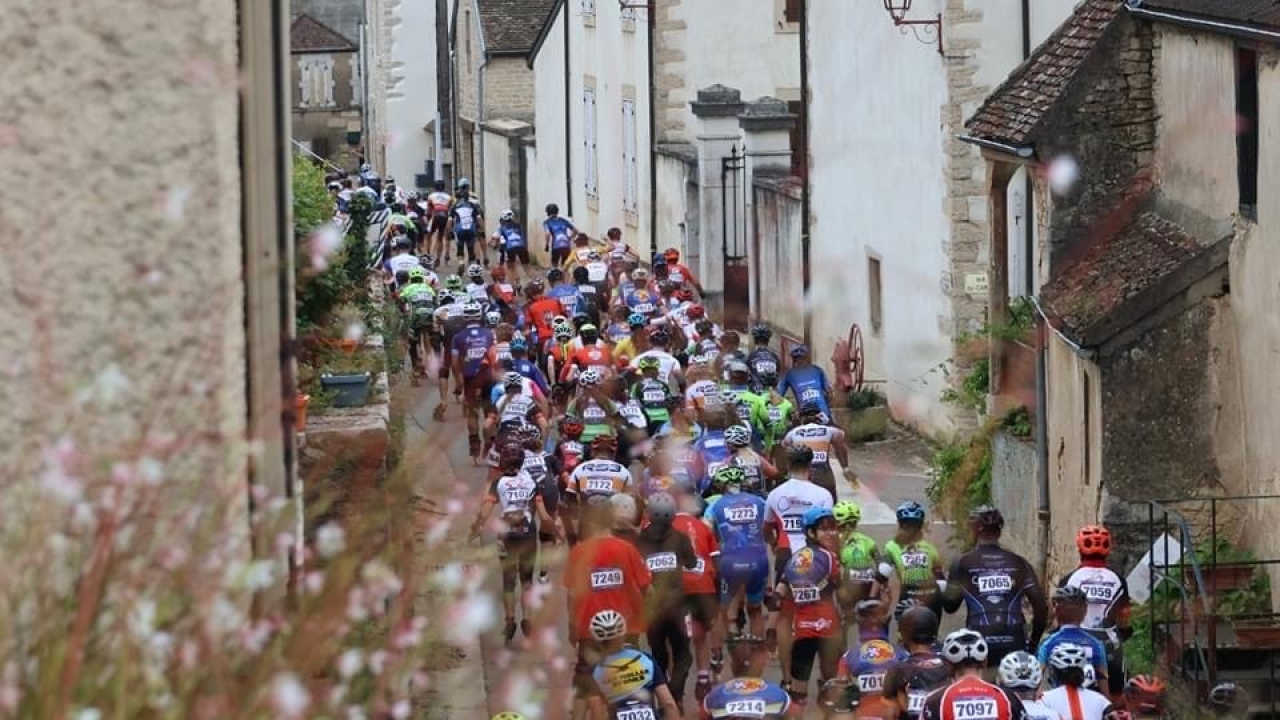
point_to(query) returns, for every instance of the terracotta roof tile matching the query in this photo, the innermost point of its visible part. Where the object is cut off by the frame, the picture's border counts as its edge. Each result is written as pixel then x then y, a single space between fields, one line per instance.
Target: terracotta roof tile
pixel 1115 269
pixel 1013 110
pixel 1261 13
pixel 513 25
pixel 310 35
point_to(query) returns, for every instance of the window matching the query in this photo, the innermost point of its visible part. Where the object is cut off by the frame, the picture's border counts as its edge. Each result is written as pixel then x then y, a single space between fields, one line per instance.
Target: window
pixel 628 15
pixel 795 107
pixel 874 301
pixel 589 140
pixel 315 78
pixel 1247 130
pixel 357 81
pixel 466 24
pixel 631 196
pixel 793 10
pixel 588 12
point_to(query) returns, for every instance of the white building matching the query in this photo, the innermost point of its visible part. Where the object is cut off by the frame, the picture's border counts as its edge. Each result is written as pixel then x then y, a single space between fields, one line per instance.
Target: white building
pixel 414 93
pixel 898 201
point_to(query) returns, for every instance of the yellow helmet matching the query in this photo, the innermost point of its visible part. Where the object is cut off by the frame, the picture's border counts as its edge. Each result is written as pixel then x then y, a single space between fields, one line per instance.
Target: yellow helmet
pixel 508 715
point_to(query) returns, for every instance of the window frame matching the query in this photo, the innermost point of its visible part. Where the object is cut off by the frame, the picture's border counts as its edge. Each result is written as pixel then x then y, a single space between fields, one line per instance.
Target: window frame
pixel 1248 111
pixel 630 156
pixel 590 141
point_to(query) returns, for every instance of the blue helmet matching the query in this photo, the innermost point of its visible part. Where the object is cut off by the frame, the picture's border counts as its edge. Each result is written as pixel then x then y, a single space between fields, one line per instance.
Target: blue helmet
pixel 519 343
pixel 910 511
pixel 636 319
pixel 799 351
pixel 813 516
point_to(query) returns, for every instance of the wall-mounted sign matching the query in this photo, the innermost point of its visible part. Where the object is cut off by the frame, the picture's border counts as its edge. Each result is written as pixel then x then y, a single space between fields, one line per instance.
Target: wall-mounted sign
pixel 975 283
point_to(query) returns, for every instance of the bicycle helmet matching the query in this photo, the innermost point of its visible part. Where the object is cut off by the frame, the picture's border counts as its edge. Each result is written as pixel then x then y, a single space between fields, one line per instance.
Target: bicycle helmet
pixel 761 332
pixel 1117 713
pixel 590 377
pixel 1070 595
pixel 1094 540
pixel 464 184
pixel 910 512
pixel 472 310
pixel 671 255
pixel 555 275
pixel 475 271
pixel 660 337
pixel 696 312
pixel 563 333
pixel 571 427
pixel 417 274
pixel 518 343
pixel 1228 696
pixel 640 274
pixel 1020 670
pixel 447 298
pixel 682 294
pixel 511 458
pixel 1144 694
pixel 964 646
pixel 810 410
pixel 513 380
pixel 986 519
pixel 737 435
pixel 608 625
pixel 605 443
pixel 590 333
pixel 492 318
pixel 916 623
pixel 801 350
pixel 624 508
pixel 427 261
pixel 535 287
pixel 815 515
pixel 507 216
pixel 453 282
pixel 593 256
pixel 661 508
pixel 648 362
pixel 1068 655
pixel 636 320
pixel 847 512
pixel 508 715
pixel 729 475
pixel 867 608
pixel 400 242
pixel 800 455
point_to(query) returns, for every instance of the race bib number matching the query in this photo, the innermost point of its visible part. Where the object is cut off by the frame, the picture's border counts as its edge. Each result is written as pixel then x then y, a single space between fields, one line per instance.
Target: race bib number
pixel 863 575
pixel 805 595
pixel 593 413
pixel 572 447
pixel 700 568
pixel 675 276
pixel 638 713
pixel 518 495
pixel 609 578
pixel 792 523
pixel 504 354
pixel 744 412
pixel 974 709
pixel 643 308
pixel 599 484
pixel 1098 591
pixel 653 396
pixel 465 222
pixel 915 560
pixel 662 562
pixel 476 353
pixel 631 412
pixel 871 683
pixel 819 456
pixel 774 413
pixel 766 367
pixel 994 583
pixel 810 394
pixel 753 707
pixel 915 701
pixel 743 514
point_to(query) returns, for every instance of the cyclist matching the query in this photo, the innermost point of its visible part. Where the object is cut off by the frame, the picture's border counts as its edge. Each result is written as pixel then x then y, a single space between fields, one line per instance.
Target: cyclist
pixel 922 670
pixel 747 403
pixel 627 682
pixel 858 691
pixel 1144 696
pixel 523 515
pixel 747 698
pixel 824 440
pixel 667 551
pixel 439 203
pixel 969 696
pixel 669 370
pixel 1069 698
pixel 593 354
pixel 1020 673
pixel 418 301
pixel 807 382
pixel 777 417
pixel 859 558
pixel 738 522
pixel 1228 699
pixel 915 561
pixel 510 238
pixel 653 395
pixel 520 363
pixel 678 273
pixel 759 471
pixel 1107 618
pixel 762 360
pixel 559 236
pixel 467 219
pixel 993 584
pixel 1069 607
pixel 701 585
pixel 472 373
pixel 808 585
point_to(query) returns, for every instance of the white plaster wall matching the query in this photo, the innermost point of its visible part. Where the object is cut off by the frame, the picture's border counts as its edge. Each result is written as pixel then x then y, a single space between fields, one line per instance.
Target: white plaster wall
pixel 673 202
pixel 877 154
pixel 1073 501
pixel 1000 33
pixel 496 176
pixel 547 168
pixel 411 99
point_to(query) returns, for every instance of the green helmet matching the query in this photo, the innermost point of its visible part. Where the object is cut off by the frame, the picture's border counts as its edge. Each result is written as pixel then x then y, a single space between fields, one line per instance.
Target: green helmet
pixel 729 475
pixel 453 283
pixel 648 362
pixel 847 512
pixel 417 274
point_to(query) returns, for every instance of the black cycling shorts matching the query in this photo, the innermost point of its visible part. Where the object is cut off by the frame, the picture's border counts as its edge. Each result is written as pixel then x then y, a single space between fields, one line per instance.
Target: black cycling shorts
pixel 803 653
pixel 521 254
pixel 439 223
pixel 703 608
pixel 517 561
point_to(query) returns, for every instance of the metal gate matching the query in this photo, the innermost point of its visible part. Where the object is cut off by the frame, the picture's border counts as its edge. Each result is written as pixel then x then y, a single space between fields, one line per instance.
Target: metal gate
pixel 733 229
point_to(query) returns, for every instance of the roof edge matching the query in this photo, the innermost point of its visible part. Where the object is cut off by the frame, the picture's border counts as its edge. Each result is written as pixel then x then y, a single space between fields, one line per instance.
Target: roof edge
pixel 1025 152
pixel 544 32
pixel 1201 22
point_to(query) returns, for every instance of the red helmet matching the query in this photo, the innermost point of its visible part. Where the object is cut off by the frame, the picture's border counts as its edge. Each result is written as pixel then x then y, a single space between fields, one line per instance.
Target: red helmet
pixel 684 294
pixel 497 272
pixel 1094 540
pixel 571 427
pixel 697 312
pixel 1144 694
pixel 671 255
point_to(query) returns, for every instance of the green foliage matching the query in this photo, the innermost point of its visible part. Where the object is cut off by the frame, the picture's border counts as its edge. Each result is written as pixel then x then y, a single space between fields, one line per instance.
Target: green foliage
pixel 312 204
pixel 1022 318
pixel 1018 422
pixel 867 397
pixel 962 477
pixel 972 391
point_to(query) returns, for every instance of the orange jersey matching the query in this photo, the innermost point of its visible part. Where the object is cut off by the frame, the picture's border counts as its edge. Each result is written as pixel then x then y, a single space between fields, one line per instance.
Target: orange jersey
pixel 540 313
pixel 595 356
pixel 702 579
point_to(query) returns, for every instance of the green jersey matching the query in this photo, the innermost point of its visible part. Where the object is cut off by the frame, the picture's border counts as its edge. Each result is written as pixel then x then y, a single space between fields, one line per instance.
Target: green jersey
pixel 916 565
pixel 776 417
pixel 750 407
pixel 859 557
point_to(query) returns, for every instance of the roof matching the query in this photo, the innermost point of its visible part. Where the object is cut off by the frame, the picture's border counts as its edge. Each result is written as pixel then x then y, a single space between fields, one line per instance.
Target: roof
pixel 1256 13
pixel 342 16
pixel 512 26
pixel 1114 270
pixel 1013 110
pixel 548 23
pixel 310 35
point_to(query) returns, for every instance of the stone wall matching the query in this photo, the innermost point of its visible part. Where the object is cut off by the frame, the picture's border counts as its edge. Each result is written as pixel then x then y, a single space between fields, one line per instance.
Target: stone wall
pixel 672 91
pixel 508 89
pixel 1015 491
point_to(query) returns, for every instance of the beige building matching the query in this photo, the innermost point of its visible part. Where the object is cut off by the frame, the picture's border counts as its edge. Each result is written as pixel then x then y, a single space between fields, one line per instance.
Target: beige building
pixel 171 352
pixel 1156 263
pixel 328 91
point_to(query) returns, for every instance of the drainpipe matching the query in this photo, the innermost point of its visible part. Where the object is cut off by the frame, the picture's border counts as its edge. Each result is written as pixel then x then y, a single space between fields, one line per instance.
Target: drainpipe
pixel 568 120
pixel 479 133
pixel 805 221
pixel 453 116
pixel 652 12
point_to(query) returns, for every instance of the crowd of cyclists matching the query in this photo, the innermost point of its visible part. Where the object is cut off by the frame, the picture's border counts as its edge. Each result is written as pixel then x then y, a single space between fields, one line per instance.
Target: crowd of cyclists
pixel 692 478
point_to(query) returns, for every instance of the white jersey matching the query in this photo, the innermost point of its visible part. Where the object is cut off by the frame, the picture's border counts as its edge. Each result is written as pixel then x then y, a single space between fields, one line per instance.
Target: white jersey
pixel 1104 588
pixel 697 392
pixel 818 438
pixel 405 262
pixel 597 271
pixel 433 280
pixel 516 407
pixel 515 494
pixel 787 505
pixel 667 366
pixel 1092 704
pixel 1037 710
pixel 478 292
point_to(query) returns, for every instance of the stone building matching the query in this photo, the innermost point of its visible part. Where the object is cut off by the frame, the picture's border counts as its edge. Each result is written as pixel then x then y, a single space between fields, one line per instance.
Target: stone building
pixel 328 91
pixel 1155 265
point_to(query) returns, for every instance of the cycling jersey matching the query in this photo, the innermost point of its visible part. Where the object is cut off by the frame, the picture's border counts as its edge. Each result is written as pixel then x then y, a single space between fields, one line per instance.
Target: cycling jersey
pixel 438 204
pixel 712 452
pixel 471 347
pixel 479 292
pixel 597 271
pixel 599 477
pixel 518 406
pixel 1075 635
pixel 402 263
pixel 746 698
pixel 684 456
pixel 527 387
pixel 1037 710
pixel 651 484
pixel 867 665
pixel 763 361
pixel 918 674
pixel 502 293
pixel 701 580
pixel 668 366
pixel 972 698
pixel 641 301
pixel 753 465
pixel 627 679
pixel 993 583
pixel 466 215
pixel 570 453
pixel 1076 703
pixel 615 333
pixel 813 574
pixel 697 393
pixel 919 567
pixel 605 573
pixel 515 495
pixel 738 522
pixel 653 395
pixel 568 297
pixel 631 411
pixel 594 356
pixel 559 229
pixel 859 557
pixel 667 553
pixel 776 418
pixel 540 313
pixel 595 416
pixel 786 506
pixel 512 237
pixel 748 405
pixel 531 371
pixel 809 383
pixel 1107 592
pixel 818 438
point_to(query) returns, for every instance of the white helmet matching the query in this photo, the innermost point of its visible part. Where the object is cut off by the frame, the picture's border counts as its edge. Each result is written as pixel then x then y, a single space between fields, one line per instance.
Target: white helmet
pixel 474 270
pixel 1068 655
pixel 493 317
pixel 590 377
pixel 608 625
pixel 507 215
pixel 624 508
pixel 1020 670
pixel 1090 678
pixel 472 310
pixel 513 380
pixel 593 256
pixel 964 646
pixel 739 435
pixel 640 273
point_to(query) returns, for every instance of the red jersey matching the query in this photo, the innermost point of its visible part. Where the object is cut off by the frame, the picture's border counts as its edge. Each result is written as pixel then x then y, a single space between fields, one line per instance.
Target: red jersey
pixel 702 579
pixel 812 575
pixel 593 356
pixel 540 312
pixel 502 292
pixel 606 573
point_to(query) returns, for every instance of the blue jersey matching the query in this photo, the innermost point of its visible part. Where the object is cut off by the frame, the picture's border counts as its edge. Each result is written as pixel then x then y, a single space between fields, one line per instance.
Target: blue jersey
pixel 531 371
pixel 712 451
pixel 746 697
pixel 869 663
pixel 1093 647
pixel 628 677
pixel 568 297
pixel 738 520
pixel 641 301
pixel 809 384
pixel 471 347
pixel 513 236
pixel 560 230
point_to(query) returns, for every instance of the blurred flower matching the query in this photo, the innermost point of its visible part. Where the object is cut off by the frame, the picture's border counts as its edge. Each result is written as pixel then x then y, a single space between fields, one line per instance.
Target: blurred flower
pixel 350 663
pixel 330 540
pixel 1062 173
pixel 288 696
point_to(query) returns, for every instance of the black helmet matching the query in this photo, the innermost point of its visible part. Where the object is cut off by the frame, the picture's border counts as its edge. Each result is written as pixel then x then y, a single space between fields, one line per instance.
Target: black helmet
pixel 439 185
pixel 918 624
pixel 1070 595
pixel 553 209
pixel 761 332
pixel 581 275
pixel 555 274
pixel 810 409
pixel 800 456
pixel 986 519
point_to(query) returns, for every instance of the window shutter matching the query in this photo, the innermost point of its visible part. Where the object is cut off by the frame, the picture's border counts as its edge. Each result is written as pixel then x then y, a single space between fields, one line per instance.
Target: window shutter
pixel 631 199
pixel 793 10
